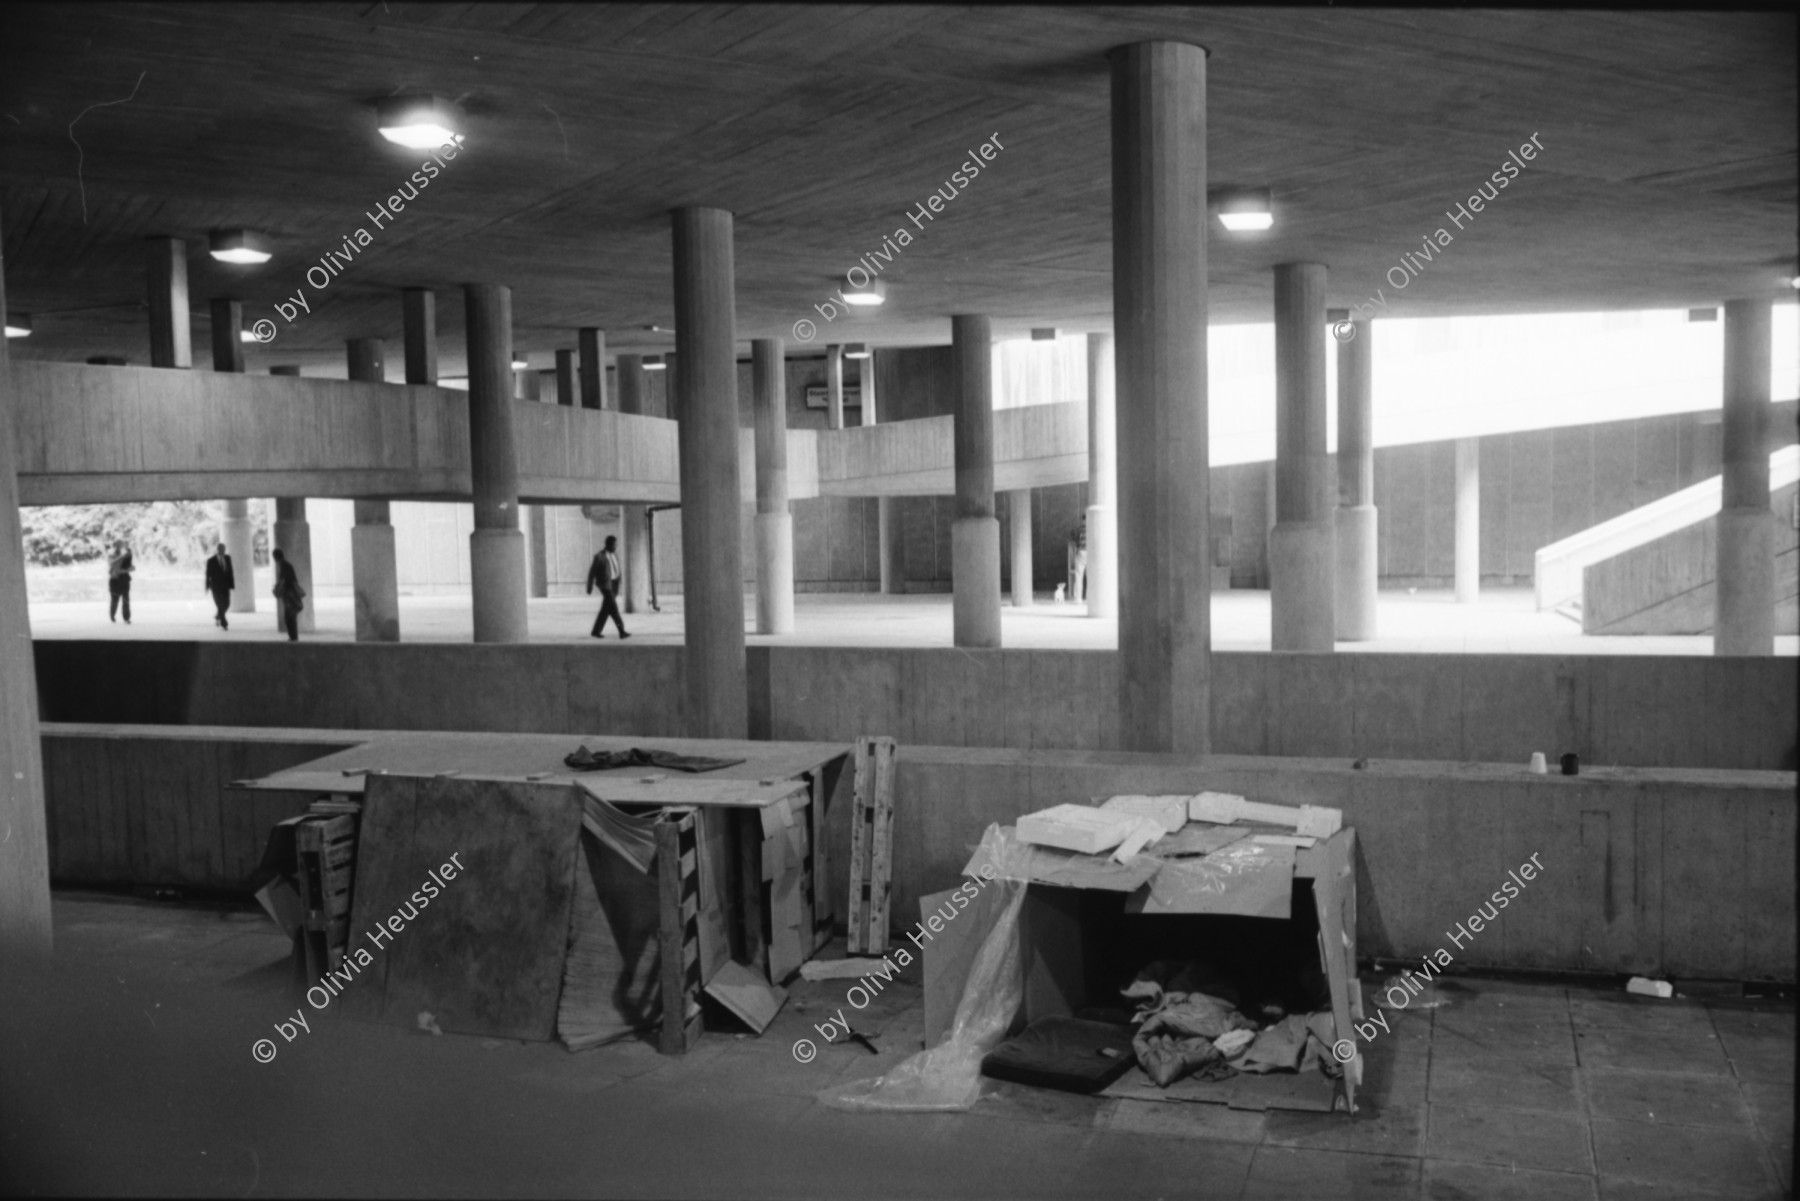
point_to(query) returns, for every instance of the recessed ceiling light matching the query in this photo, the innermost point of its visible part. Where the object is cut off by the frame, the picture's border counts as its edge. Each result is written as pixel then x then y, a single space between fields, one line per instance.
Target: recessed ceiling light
pixel 1243 210
pixel 871 293
pixel 18 325
pixel 245 335
pixel 240 246
pixel 521 365
pixel 654 362
pixel 420 122
pixel 855 350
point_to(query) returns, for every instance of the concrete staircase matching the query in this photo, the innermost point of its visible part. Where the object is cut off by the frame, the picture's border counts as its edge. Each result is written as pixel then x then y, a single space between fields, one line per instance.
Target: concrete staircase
pixel 1650 571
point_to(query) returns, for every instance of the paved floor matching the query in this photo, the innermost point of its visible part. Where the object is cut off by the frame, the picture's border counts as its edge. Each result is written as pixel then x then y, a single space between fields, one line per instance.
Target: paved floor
pixel 130 1071
pixel 1505 621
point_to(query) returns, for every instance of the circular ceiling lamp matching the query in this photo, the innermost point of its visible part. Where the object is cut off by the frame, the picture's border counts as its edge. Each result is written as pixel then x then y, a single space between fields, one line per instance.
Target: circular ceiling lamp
pixel 420 122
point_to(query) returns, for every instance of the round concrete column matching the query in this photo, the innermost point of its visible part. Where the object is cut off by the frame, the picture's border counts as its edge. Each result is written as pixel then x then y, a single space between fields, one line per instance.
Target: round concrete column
pixel 1018 508
pixel 236 530
pixel 1159 318
pixel 374 574
pixel 293 535
pixel 1102 513
pixel 24 852
pixel 1468 521
pixel 891 539
pixel 712 564
pixel 1302 546
pixel 496 546
pixel 1357 554
pixel 975 533
pixel 166 286
pixel 634 522
pixel 774 523
pixel 1744 623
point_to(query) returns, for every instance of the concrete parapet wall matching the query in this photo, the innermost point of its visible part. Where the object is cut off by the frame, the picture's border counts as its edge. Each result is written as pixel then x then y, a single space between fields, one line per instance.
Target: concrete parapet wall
pixel 1640 711
pixel 1678 872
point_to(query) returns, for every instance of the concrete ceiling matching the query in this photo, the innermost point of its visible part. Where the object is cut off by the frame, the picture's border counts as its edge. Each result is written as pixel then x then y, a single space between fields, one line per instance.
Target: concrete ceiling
pixel 1667 177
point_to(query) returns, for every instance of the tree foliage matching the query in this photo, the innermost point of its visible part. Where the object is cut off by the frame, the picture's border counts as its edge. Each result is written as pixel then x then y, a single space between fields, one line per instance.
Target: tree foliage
pixel 178 533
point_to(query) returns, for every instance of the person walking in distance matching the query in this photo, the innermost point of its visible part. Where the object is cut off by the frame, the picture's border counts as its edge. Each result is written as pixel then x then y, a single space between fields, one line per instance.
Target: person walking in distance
pixel 289 595
pixel 118 582
pixel 605 572
pixel 220 581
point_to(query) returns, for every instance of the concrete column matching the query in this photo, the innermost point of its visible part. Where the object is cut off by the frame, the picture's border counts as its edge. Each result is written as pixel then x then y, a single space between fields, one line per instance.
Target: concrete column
pixel 706 398
pixel 975 533
pixel 634 547
pixel 592 344
pixel 834 387
pixel 374 572
pixel 1302 547
pixel 774 523
pixel 1159 318
pixel 865 380
pixel 1468 521
pixel 25 850
pixel 1018 511
pixel 1357 560
pixel 236 530
pixel 1102 513
pixel 418 312
pixel 166 284
pixel 531 517
pixel 496 547
pixel 293 536
pixel 565 379
pixel 1744 622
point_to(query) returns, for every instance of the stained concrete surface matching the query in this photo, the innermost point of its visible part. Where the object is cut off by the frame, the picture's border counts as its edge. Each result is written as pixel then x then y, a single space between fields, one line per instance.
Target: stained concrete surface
pixel 1505 621
pixel 129 1070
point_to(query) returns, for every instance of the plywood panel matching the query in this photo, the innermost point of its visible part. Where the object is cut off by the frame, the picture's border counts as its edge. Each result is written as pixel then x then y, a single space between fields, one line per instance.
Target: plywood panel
pixel 485 956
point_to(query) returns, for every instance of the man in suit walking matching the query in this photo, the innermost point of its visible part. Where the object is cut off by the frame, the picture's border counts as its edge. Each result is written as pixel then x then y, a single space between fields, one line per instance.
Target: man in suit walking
pixel 220 581
pixel 606 573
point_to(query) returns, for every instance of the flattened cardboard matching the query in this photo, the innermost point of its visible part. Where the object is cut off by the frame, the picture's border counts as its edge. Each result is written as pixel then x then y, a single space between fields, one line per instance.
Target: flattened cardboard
pixel 746 994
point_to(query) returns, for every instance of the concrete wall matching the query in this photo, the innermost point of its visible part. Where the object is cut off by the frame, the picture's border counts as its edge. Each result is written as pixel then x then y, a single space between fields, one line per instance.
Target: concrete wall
pixel 1674 711
pixel 1681 873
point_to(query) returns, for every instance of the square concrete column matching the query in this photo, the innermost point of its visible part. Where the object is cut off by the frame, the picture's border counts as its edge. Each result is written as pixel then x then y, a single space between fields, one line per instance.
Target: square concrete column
pixel 532 521
pixel 566 391
pixel 774 522
pixel 1744 622
pixel 374 571
pixel 418 316
pixel 1159 318
pixel 236 530
pixel 1357 558
pixel 497 546
pixel 1102 512
pixel 592 344
pixel 891 539
pixel 975 532
pixel 1018 511
pixel 634 520
pixel 1303 545
pixel 292 535
pixel 166 286
pixel 712 561
pixel 25 850
pixel 1468 520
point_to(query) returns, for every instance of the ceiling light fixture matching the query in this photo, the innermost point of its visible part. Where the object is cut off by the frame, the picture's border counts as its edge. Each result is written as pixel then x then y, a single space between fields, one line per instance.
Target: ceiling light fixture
pixel 420 122
pixel 18 325
pixel 521 365
pixel 871 293
pixel 245 335
pixel 1243 210
pixel 654 362
pixel 856 350
pixel 240 246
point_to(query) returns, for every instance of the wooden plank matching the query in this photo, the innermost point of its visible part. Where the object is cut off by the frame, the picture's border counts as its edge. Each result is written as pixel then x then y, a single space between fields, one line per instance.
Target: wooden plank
pixel 819 875
pixel 881 860
pixel 677 888
pixel 861 841
pixel 751 910
pixel 1330 887
pixel 484 956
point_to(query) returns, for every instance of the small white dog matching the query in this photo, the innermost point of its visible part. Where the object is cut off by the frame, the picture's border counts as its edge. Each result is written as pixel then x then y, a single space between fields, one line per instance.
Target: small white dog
pixel 1061 589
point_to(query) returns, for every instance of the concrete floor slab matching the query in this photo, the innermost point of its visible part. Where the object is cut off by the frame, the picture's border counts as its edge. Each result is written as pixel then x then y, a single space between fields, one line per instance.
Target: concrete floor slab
pixel 128 1070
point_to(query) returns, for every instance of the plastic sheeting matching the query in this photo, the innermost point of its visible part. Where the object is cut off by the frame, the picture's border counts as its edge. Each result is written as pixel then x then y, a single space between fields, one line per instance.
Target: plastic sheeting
pixel 948 1076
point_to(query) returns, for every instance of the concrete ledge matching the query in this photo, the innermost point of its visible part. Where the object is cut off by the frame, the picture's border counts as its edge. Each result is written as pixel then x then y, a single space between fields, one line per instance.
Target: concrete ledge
pixel 1655 871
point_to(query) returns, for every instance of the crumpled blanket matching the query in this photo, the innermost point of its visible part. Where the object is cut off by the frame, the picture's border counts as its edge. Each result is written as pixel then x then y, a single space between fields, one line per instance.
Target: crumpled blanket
pixel 582 759
pixel 1178 1027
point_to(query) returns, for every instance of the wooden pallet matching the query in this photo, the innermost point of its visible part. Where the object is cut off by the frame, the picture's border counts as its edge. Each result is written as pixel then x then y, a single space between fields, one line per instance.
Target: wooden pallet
pixel 678 885
pixel 872 846
pixel 325 859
